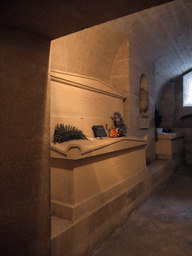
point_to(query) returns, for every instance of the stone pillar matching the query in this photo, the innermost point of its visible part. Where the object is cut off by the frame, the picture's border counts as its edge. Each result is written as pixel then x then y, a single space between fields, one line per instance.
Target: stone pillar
pixel 24 159
pixel 167 105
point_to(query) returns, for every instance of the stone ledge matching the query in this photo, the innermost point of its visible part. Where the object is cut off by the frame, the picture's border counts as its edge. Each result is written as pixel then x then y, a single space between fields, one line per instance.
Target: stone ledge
pixel 170 136
pixel 86 83
pixel 78 149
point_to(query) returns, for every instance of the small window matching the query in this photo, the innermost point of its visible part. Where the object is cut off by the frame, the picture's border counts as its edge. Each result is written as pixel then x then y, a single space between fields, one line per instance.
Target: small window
pixel 187 90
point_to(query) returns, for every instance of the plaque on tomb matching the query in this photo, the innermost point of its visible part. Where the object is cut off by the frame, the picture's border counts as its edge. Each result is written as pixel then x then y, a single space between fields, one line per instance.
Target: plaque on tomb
pixel 99 131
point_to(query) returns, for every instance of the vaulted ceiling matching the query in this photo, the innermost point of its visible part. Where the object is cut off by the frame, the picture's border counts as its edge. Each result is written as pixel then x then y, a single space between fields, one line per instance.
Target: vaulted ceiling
pixel 164 37
pixel 55 18
pixel 163 33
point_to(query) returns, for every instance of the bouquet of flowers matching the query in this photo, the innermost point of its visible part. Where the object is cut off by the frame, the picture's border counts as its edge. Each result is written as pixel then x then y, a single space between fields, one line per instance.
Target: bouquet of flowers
pixel 120 127
pixel 114 133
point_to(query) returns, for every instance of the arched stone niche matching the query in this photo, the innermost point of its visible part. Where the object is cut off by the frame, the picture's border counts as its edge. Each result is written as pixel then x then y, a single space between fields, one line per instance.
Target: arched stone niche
pixel 144 103
pixel 120 77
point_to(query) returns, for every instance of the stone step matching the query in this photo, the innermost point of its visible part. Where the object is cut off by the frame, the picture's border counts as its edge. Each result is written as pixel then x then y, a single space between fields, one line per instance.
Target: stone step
pixel 58 226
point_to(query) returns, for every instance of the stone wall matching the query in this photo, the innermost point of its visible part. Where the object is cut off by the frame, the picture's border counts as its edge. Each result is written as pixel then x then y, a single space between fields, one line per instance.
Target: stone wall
pixel 139 65
pixel 167 105
pixel 101 52
pixel 128 68
pixel 170 103
pixel 24 160
pixel 89 52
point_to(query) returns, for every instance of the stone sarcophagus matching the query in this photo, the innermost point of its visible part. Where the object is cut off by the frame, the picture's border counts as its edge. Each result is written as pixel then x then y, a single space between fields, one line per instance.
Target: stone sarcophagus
pixel 169 145
pixel 95 183
pixel 88 174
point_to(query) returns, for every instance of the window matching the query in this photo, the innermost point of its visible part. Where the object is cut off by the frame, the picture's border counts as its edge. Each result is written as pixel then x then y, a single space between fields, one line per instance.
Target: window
pixel 187 90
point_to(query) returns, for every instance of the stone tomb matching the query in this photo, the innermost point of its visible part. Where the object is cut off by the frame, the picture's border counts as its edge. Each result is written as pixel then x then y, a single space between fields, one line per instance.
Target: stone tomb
pixel 88 174
pixel 169 145
pixel 94 182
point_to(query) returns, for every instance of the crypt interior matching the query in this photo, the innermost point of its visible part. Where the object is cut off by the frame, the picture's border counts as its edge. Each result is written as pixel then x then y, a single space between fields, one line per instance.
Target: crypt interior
pixel 76 64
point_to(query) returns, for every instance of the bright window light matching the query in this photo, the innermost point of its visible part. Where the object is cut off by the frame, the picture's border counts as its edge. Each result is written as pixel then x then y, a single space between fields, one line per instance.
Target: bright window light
pixel 187 90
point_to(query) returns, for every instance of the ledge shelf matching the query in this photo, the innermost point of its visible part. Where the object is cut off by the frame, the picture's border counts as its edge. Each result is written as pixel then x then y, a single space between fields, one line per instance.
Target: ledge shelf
pixel 79 149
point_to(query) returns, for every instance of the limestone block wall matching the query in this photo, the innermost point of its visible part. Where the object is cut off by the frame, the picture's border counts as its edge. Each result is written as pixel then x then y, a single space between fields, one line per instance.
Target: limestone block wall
pixel 24 158
pixel 120 71
pixel 170 103
pixel 167 106
pixel 101 52
pixel 120 76
pixel 82 102
pixel 128 67
pixel 139 65
pixel 89 52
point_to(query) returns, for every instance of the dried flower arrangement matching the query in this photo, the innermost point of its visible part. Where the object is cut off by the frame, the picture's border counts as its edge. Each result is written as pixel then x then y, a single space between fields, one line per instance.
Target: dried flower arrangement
pixel 119 123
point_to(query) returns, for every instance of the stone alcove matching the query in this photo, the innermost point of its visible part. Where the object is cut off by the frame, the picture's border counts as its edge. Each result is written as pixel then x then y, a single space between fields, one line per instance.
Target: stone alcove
pixel 92 181
pixel 144 103
pixel 85 182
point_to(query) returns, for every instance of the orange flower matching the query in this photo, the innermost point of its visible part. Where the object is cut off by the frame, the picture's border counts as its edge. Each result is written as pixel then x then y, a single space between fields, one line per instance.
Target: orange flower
pixel 113 133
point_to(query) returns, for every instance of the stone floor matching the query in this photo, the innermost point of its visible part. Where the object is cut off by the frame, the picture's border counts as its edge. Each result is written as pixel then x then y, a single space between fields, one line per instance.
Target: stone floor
pixel 161 226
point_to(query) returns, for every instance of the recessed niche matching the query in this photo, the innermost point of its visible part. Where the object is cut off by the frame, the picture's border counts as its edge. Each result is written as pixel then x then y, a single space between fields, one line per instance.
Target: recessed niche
pixel 143 103
pixel 82 102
